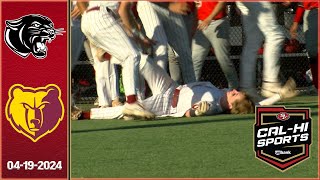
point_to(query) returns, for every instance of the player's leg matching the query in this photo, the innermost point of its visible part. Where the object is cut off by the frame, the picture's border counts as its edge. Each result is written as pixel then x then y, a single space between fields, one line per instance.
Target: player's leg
pixel 77 40
pixel 248 59
pixel 177 37
pixel 200 48
pixel 154 30
pixel 161 86
pixel 102 79
pixel 76 49
pixel 113 84
pixel 114 81
pixel 106 32
pixel 87 49
pixel 174 67
pixel 177 33
pixel 288 90
pixel 274 38
pixel 218 34
pixel 310 28
pixel 158 80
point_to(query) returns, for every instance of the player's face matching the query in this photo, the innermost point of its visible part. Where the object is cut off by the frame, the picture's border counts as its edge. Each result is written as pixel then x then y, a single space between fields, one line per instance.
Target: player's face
pixel 234 95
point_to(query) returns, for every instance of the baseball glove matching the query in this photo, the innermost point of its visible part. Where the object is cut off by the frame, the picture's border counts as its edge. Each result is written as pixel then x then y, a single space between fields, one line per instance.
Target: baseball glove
pixel 202 108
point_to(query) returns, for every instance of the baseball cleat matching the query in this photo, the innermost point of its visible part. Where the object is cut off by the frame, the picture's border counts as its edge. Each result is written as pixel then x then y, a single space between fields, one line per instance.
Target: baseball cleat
pixel 137 110
pixel 128 118
pixel 289 89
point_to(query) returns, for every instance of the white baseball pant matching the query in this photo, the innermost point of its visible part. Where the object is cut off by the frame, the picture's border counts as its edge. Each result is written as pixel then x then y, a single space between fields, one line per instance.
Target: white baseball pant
pixel 166 27
pixel 259 22
pixel 107 80
pixel 163 88
pixel 105 31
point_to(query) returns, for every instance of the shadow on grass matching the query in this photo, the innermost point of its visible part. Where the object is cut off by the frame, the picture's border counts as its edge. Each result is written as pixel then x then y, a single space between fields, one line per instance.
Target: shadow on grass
pixel 246 118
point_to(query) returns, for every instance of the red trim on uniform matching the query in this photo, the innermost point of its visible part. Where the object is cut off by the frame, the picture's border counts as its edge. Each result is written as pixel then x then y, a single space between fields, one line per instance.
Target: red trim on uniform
pixel 175 98
pixel 96 8
pixel 131 99
pixel 107 56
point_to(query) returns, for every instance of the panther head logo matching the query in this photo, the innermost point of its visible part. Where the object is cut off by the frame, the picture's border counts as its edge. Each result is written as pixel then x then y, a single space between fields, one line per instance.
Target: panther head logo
pixel 30 34
pixel 34 112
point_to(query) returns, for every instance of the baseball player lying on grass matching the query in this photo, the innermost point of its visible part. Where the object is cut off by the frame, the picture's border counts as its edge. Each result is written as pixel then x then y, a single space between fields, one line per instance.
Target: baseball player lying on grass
pixel 193 99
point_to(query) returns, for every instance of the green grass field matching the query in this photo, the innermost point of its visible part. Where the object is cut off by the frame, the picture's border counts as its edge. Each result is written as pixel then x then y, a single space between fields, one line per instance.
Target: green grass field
pixel 211 146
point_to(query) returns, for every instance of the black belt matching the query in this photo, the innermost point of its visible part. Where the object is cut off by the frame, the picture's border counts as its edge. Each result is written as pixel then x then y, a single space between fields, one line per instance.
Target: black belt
pixel 97 8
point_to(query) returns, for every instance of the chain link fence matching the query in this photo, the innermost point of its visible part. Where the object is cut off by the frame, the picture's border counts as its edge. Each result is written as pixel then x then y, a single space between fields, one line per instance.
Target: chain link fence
pixel 293 64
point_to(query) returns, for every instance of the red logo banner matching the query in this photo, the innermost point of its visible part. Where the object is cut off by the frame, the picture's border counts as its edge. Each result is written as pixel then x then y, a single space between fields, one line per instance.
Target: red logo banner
pixel 34 88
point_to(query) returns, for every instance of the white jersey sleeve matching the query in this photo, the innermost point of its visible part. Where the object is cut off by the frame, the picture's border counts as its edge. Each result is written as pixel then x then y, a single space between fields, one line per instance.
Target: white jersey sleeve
pixel 193 93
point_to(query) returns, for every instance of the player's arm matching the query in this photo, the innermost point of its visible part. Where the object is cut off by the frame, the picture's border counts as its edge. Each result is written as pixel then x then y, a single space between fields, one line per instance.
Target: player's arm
pixel 199 109
pixel 82 6
pixel 126 16
pixel 297 19
pixel 75 13
pixel 131 25
pixel 217 9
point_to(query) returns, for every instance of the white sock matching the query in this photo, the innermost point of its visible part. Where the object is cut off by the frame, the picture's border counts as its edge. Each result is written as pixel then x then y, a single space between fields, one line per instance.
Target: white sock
pixel 271 100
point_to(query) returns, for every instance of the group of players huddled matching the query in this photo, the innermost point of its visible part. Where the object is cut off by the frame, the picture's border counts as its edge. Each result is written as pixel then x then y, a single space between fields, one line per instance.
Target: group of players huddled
pixel 163 45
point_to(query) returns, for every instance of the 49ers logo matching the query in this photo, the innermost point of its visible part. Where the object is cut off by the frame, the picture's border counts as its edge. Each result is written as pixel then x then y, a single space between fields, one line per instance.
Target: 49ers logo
pixel 282 116
pixel 34 112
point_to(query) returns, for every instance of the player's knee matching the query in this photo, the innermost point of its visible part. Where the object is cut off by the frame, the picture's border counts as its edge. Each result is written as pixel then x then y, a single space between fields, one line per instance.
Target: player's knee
pixel 276 38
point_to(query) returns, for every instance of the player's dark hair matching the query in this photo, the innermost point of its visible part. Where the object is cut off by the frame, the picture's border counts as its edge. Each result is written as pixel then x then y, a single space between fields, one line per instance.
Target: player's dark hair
pixel 243 106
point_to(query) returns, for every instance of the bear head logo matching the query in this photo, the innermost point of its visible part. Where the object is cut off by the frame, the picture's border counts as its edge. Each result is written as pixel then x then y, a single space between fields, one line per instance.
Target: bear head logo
pixel 34 112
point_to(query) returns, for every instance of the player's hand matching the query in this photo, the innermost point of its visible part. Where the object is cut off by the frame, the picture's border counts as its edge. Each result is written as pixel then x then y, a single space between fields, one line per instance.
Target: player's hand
pixel 293 30
pixel 179 7
pixel 202 108
pixel 75 13
pixel 204 24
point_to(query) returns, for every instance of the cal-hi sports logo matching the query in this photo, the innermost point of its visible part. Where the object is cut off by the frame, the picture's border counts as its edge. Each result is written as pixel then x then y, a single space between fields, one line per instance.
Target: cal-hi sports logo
pixel 282 136
pixel 30 34
pixel 34 112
